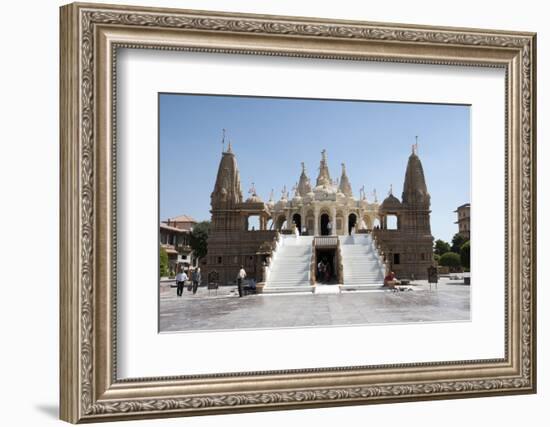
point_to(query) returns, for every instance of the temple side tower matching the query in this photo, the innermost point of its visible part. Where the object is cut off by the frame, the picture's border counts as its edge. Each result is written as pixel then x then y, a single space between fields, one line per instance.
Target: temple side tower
pixel 238 233
pixel 227 194
pixel 405 233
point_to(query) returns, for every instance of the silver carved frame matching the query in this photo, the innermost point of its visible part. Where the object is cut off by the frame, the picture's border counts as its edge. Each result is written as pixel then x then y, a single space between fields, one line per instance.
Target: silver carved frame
pixel 90 36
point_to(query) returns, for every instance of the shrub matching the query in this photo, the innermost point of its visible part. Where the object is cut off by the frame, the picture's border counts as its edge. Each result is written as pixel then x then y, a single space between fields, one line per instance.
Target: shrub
pixel 199 238
pixel 450 259
pixel 458 241
pixel 441 247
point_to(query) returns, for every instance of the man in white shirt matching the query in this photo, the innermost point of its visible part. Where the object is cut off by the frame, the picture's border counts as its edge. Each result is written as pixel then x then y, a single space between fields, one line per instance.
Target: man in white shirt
pixel 181 277
pixel 240 277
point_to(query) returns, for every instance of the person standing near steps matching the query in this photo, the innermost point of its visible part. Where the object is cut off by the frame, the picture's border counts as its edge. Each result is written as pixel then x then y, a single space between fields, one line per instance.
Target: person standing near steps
pixel 240 278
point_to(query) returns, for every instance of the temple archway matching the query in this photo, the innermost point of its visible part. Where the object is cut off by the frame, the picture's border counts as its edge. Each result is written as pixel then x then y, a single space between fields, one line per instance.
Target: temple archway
pixel 297 219
pixel 352 221
pixel 325 219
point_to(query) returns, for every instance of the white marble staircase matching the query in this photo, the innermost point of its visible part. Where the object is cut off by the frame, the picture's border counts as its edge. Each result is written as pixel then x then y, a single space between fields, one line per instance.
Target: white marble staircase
pixel 363 267
pixel 290 267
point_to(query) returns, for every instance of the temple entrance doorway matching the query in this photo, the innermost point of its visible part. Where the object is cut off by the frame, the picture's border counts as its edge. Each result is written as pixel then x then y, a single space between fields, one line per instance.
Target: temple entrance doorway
pixel 352 222
pixel 325 231
pixel 297 219
pixel 326 266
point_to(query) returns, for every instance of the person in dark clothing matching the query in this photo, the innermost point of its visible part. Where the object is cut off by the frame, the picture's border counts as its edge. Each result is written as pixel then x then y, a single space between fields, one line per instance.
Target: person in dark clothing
pixel 196 277
pixel 181 277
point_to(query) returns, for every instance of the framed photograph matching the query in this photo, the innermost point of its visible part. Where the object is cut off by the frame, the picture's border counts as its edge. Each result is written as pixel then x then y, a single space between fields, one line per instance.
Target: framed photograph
pixel 266 212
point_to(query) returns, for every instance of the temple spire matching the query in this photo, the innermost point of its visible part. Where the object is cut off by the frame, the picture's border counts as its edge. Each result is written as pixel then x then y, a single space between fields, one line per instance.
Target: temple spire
pixel 323 179
pixel 227 190
pixel 345 185
pixel 304 185
pixel 415 190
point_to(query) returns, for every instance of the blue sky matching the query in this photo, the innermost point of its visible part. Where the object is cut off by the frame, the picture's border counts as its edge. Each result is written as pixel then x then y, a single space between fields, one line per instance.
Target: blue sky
pixel 271 136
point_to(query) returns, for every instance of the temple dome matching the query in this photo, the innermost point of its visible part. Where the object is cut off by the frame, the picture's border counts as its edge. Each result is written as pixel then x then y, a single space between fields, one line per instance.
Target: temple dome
pixel 391 202
pixel 254 198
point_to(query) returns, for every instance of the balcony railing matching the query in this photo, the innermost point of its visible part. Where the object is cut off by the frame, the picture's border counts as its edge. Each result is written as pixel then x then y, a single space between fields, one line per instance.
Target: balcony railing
pixel 326 241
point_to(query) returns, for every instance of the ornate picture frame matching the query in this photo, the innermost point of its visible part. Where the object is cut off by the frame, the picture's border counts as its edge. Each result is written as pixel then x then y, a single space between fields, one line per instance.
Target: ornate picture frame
pixel 90 37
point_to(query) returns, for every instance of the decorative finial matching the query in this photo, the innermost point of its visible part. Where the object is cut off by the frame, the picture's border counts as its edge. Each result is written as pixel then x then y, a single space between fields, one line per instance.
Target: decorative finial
pixel 223 140
pixel 229 150
pixel 283 192
pixel 324 155
pixel 271 195
pixel 415 146
pixel 362 193
pixel 375 197
pixel 252 189
pixel 303 167
pixel 391 190
pixel 343 168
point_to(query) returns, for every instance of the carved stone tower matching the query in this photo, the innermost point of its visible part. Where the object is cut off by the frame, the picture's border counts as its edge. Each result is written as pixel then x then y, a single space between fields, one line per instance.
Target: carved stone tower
pixel 232 241
pixel 227 195
pixel 416 199
pixel 405 232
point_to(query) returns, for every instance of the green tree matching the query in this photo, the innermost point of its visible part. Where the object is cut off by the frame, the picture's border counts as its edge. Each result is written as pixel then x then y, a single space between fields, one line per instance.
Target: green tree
pixel 199 237
pixel 163 262
pixel 441 247
pixel 436 258
pixel 458 241
pixel 450 259
pixel 465 254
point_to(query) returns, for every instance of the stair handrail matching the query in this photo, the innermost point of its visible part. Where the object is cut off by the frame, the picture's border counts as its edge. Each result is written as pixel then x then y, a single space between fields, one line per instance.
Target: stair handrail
pixel 383 263
pixel 312 265
pixel 277 243
pixel 340 261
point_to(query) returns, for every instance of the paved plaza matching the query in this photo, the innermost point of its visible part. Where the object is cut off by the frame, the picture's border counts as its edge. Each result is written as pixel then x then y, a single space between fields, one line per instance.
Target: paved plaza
pixel 224 310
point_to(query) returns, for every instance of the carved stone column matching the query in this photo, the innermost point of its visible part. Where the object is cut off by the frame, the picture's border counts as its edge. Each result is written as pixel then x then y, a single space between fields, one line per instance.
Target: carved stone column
pixel 316 219
pixel 333 215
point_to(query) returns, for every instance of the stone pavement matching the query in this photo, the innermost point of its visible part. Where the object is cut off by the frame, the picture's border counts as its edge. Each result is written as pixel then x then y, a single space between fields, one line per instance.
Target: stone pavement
pixel 226 311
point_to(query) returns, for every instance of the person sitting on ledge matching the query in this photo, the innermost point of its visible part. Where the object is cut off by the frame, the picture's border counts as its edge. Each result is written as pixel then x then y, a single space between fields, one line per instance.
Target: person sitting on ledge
pixel 391 280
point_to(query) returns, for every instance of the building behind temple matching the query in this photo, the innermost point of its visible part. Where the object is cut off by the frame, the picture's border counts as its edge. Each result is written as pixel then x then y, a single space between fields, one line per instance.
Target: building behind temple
pixel 174 238
pixel 326 222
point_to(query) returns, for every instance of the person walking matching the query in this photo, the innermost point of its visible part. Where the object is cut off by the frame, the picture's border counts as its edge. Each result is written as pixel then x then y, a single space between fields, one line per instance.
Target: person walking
pixel 196 276
pixel 240 278
pixel 181 277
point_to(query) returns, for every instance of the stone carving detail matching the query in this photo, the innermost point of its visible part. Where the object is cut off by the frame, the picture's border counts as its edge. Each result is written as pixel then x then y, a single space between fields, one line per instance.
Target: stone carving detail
pixel 89 18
